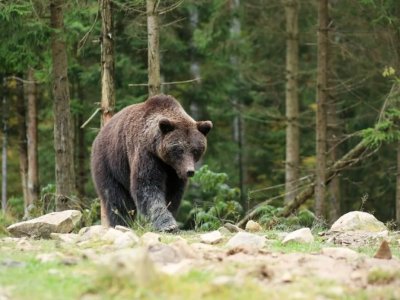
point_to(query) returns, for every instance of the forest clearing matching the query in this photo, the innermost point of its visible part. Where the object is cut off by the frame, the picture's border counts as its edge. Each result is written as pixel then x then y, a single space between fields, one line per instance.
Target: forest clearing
pixel 216 149
pixel 97 263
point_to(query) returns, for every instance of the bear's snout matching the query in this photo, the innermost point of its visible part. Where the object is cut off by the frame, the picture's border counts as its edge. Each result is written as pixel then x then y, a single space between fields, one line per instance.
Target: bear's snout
pixel 190 173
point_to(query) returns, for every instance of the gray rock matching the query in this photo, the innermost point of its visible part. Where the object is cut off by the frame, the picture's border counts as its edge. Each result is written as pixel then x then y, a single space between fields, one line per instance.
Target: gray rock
pixel 246 239
pixel 59 222
pixel 302 235
pixel 213 237
pixel 253 226
pixel 358 221
pixel 164 254
pixel 224 230
pixel 111 235
pixel 92 233
pixel 232 228
pixel 123 228
pixel 129 263
pixel 150 238
pixel 340 253
pixel 126 240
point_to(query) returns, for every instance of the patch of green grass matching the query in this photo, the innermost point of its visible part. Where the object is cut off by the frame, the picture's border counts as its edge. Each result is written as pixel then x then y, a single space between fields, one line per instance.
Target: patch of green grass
pixel 193 285
pixel 35 280
pixel 290 247
pixel 380 276
pixel 370 250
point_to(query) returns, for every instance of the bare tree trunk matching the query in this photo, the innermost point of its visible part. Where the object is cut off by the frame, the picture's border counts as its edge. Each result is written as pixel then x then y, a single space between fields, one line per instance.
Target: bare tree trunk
pixel 292 99
pixel 107 74
pixel 194 64
pixel 322 98
pixel 107 62
pixel 81 177
pixel 332 143
pixel 32 138
pixel 22 142
pixel 153 36
pixel 4 148
pixel 63 143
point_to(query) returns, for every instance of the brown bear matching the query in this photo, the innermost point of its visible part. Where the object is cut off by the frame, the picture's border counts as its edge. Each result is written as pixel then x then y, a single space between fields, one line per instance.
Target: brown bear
pixel 142 158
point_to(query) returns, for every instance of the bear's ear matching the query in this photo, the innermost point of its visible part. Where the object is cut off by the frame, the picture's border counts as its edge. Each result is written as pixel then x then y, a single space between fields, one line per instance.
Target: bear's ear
pixel 204 126
pixel 166 125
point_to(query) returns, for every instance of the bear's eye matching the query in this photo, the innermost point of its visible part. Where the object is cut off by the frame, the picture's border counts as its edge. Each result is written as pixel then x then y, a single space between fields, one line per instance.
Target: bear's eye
pixel 177 150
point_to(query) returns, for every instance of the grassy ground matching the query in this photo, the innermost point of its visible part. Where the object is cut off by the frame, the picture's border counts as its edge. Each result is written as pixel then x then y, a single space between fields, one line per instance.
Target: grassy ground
pixel 26 275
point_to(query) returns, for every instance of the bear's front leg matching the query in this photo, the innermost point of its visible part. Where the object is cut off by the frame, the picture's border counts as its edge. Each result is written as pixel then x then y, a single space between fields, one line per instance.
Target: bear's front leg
pixel 148 188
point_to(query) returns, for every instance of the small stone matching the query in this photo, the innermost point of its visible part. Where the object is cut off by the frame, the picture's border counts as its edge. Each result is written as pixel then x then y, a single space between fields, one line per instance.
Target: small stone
pixel 111 235
pixel 24 245
pixel 246 239
pixel 340 253
pixel 126 240
pixel 61 222
pixel 224 230
pixel 358 221
pixel 164 254
pixel 49 257
pixel 185 250
pixel 68 238
pixel 384 251
pixel 123 228
pixel 9 263
pixel 91 233
pixel 150 238
pixel 302 235
pixel 213 237
pixel 132 263
pixel 232 228
pixel 223 280
pixel 287 277
pixel 253 226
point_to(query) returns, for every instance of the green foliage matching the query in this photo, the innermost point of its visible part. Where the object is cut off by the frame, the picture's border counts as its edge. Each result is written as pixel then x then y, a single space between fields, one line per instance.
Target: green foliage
pixel 6 219
pixel 385 131
pixel 267 215
pixel 16 206
pixel 210 201
pixel 91 214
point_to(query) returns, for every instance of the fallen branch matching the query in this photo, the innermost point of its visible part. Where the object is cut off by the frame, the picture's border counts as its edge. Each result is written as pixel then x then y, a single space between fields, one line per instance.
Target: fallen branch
pixel 349 159
pixel 167 83
pixel 91 117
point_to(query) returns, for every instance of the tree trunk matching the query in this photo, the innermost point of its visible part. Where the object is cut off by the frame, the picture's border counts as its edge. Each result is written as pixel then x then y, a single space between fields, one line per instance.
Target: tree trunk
pixel 32 138
pixel 107 74
pixel 153 42
pixel 63 143
pixel 332 143
pixel 22 135
pixel 81 177
pixel 4 148
pixel 292 99
pixel 107 62
pixel 321 117
pixel 194 64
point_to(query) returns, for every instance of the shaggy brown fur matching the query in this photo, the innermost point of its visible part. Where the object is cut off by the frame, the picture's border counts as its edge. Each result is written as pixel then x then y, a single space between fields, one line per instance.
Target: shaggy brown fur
pixel 142 158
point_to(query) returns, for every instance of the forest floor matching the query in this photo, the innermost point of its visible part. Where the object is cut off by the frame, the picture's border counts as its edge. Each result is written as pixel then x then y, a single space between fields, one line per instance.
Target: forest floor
pixel 181 267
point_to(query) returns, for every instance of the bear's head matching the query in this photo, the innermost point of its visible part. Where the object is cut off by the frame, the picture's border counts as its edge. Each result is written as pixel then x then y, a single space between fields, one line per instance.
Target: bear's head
pixel 182 144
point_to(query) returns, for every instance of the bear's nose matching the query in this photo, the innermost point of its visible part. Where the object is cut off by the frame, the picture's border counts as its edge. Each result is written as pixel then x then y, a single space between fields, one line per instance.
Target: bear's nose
pixel 190 173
